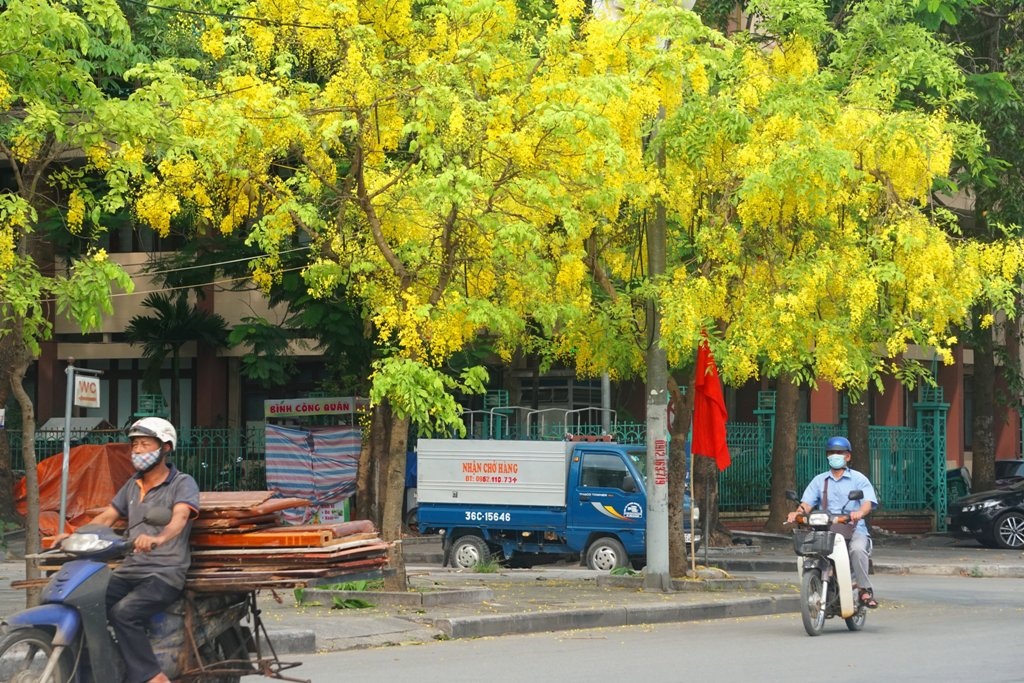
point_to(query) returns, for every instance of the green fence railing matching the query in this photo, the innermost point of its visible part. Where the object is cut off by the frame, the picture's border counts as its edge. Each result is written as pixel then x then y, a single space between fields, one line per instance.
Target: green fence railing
pixel 219 459
pixel 905 465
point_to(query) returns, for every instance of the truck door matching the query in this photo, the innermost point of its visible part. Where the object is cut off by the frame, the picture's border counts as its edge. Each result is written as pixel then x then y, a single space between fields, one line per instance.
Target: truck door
pixel 606 497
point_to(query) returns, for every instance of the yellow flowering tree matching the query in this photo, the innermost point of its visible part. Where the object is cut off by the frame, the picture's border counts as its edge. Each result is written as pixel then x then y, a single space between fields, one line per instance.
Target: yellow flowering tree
pixel 796 173
pixel 57 126
pixel 813 249
pixel 448 162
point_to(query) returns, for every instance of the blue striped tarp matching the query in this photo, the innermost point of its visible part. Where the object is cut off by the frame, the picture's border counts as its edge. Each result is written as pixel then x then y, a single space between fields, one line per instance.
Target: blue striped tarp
pixel 319 465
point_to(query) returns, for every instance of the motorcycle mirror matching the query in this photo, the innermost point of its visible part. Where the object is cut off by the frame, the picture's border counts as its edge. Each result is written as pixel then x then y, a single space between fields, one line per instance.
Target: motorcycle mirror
pixel 856 495
pixel 157 516
pixel 791 495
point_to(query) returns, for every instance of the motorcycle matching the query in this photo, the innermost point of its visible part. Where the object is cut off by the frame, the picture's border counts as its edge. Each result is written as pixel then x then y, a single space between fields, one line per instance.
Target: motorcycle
pixel 826 583
pixel 66 639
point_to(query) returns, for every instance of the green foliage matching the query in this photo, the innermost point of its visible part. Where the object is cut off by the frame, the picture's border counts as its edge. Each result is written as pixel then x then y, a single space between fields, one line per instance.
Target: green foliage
pixel 350 603
pixel 424 394
pixel 174 323
pixel 489 566
pixel 785 18
pixel 359 585
pixel 268 363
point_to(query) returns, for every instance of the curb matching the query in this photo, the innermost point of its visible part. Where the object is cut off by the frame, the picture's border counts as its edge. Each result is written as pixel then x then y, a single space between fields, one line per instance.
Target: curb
pixel 991 571
pixel 435 596
pixel 497 625
pixel 292 641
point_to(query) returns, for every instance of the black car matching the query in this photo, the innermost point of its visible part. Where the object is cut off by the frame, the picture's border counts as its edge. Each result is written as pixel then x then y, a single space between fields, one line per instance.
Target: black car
pixel 995 518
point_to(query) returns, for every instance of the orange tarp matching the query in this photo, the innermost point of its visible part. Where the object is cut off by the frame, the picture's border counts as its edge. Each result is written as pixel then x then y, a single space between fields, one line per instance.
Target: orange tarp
pixel 95 473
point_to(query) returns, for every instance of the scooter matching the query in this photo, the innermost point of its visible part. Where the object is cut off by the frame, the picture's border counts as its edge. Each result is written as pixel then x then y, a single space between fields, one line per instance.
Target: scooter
pixel 826 583
pixel 66 638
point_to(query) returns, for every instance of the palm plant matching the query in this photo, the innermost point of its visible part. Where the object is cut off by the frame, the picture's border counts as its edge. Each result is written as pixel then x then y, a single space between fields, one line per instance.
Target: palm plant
pixel 174 323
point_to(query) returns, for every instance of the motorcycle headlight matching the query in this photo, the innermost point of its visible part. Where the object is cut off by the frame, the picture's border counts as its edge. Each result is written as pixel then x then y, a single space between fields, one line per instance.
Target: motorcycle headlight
pixel 817 518
pixel 85 543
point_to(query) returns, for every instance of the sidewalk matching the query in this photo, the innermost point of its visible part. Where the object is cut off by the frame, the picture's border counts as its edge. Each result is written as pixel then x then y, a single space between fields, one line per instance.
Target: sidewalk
pixel 446 603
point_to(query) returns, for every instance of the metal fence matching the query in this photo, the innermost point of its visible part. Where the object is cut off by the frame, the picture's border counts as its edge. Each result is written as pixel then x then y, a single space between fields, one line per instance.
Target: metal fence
pixel 898 456
pixel 235 459
pixel 219 459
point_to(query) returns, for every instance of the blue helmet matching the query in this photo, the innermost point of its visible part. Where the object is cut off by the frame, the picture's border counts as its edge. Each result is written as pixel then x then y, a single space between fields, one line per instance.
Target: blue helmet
pixel 838 444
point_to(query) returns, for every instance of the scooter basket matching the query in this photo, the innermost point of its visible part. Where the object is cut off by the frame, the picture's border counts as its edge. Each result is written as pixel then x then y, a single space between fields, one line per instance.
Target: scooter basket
pixel 810 542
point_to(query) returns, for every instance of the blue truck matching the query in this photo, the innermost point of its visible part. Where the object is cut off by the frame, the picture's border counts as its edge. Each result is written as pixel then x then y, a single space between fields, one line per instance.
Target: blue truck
pixel 526 502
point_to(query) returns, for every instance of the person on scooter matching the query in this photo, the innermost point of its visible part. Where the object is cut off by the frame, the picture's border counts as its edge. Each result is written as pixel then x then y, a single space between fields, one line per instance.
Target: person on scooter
pixel 841 480
pixel 153 576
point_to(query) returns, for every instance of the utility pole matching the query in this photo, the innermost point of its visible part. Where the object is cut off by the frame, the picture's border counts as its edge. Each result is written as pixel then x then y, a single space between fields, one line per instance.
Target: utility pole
pixel 656 576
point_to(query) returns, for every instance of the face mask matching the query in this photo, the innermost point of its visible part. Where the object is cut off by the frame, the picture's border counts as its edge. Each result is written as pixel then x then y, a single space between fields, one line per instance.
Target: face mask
pixel 836 461
pixel 145 461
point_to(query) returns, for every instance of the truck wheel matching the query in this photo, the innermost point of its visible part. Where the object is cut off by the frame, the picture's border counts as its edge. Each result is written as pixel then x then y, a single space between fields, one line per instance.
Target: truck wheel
pixel 606 554
pixel 468 551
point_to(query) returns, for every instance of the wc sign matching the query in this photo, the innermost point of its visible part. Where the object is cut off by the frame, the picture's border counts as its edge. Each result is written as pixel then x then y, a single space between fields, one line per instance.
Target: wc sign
pixel 87 391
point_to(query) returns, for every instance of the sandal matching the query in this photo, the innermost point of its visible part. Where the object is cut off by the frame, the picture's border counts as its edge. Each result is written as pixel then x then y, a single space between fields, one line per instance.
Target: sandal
pixel 867 598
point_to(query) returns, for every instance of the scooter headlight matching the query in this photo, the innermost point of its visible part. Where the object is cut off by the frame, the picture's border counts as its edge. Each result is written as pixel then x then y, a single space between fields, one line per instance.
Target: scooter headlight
pixel 817 518
pixel 77 544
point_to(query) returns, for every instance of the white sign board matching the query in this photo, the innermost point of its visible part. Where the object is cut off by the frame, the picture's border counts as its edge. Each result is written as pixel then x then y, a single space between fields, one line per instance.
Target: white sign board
pixel 87 391
pixel 3 412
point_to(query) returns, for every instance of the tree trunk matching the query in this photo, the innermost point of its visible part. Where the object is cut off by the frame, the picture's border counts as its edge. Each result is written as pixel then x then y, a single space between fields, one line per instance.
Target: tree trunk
pixel 787 401
pixel 983 470
pixel 7 511
pixel 366 493
pixel 176 388
pixel 682 402
pixel 392 495
pixel 28 452
pixel 858 433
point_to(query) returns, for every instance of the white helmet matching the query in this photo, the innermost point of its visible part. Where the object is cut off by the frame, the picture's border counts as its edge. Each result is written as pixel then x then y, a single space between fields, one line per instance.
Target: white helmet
pixel 156 427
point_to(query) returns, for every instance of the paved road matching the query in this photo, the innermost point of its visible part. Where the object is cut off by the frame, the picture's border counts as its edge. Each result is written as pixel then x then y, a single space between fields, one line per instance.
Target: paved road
pixel 928 628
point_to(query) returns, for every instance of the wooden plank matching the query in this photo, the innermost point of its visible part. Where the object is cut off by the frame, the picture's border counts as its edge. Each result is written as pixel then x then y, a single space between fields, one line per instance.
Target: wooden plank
pixel 232 500
pixel 265 507
pixel 296 556
pixel 270 520
pixel 214 583
pixel 294 538
pixel 338 529
pixel 339 544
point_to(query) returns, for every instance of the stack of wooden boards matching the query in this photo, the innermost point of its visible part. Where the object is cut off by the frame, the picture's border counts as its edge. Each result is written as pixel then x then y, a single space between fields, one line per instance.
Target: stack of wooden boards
pixel 238 544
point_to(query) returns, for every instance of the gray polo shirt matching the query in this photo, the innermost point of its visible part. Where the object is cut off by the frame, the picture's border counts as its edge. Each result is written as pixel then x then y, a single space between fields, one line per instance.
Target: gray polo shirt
pixel 170 561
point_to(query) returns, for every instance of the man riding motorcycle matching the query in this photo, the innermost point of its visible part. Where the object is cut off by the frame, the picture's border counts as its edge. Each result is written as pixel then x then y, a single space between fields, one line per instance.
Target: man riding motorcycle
pixel 830 490
pixel 154 576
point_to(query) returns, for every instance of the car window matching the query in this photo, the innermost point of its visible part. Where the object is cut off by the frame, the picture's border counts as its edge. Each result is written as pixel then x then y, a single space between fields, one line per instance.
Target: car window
pixel 1009 468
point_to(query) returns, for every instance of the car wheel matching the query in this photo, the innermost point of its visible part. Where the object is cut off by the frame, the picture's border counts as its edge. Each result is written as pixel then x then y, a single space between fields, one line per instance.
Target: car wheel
pixel 1009 531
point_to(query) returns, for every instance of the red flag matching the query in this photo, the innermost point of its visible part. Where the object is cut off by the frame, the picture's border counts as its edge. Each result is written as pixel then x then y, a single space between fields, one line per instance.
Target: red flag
pixel 709 413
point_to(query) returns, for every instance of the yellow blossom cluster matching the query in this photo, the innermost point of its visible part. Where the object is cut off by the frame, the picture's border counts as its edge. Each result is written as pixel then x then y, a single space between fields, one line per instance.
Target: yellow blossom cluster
pixel 156 207
pixel 7 253
pixel 212 39
pixel 76 211
pixel 6 93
